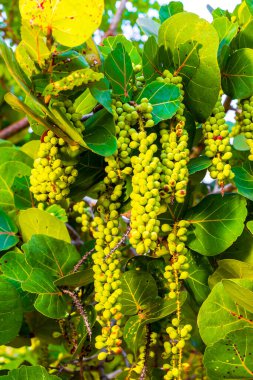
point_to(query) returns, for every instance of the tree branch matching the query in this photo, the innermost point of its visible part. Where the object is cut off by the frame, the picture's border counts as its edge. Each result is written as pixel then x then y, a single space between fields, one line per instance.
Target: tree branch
pixel 227 103
pixel 116 19
pixel 14 128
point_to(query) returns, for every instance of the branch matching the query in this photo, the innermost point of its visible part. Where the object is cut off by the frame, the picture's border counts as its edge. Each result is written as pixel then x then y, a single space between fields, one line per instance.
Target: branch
pixel 14 128
pixel 116 19
pixel 80 262
pixel 80 309
pixel 227 103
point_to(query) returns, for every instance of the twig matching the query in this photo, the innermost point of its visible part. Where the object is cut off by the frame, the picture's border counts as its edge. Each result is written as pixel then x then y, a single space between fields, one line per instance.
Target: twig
pixel 74 233
pixel 227 103
pixel 116 19
pixel 119 243
pixel 80 309
pixel 227 189
pixel 147 351
pixel 14 128
pixel 80 262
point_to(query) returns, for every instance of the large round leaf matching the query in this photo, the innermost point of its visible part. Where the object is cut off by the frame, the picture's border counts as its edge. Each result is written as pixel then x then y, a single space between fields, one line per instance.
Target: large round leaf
pixel 231 357
pixel 202 90
pixel 71 22
pixel 216 222
pixel 11 313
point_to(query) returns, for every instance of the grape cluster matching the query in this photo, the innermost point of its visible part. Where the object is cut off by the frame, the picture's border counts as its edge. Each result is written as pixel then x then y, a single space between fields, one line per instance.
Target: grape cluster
pixel 245 122
pixel 51 178
pixel 168 77
pixel 174 158
pixel 217 145
pixel 67 108
pixel 84 217
pixel 145 197
pixel 175 273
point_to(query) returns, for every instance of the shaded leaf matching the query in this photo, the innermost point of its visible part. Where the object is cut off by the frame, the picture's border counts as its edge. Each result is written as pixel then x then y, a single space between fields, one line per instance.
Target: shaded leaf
pixel 202 90
pixel 149 26
pixel 11 313
pixel 216 222
pixel 151 64
pixel 99 133
pixel 244 180
pixel 21 191
pixel 8 231
pixel 237 76
pixel 119 71
pixel 197 164
pixel 226 30
pixel 138 291
pixel 240 291
pixel 77 279
pixel 29 373
pixel 111 42
pixel 85 102
pixel 164 99
pixel 230 268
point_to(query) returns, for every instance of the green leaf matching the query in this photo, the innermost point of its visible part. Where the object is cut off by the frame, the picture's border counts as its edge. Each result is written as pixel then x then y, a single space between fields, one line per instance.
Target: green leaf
pixel 237 76
pixel 30 373
pixel 230 268
pixel 21 191
pixel 216 222
pixel 219 315
pixel 230 358
pixel 244 38
pixel 148 26
pixel 76 79
pixel 134 333
pixel 9 154
pixel 241 292
pixel 199 163
pixel 55 256
pixel 77 279
pixel 6 200
pixel 101 92
pixel 39 281
pixel 169 10
pixel 164 99
pixel 244 180
pixel 90 171
pixel 186 60
pixel 16 170
pixel 34 221
pixel 151 66
pixel 139 290
pixel 85 102
pixel 13 67
pixel 15 266
pixel 250 226
pixel 52 305
pixel 111 42
pixel 197 280
pixel 119 71
pixel 162 308
pixel 207 76
pixel 58 212
pixel 8 231
pixel 239 143
pixel 226 30
pixel 11 313
pixel 99 133
pixel 242 249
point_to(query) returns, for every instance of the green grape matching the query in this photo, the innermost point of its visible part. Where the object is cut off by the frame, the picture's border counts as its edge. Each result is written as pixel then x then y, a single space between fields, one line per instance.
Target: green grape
pixel 67 107
pixel 50 178
pixel 174 159
pixel 84 217
pixel 217 145
pixel 245 123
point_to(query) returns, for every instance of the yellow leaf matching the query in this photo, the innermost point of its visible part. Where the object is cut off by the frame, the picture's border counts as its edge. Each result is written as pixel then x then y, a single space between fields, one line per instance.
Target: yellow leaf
pixel 70 22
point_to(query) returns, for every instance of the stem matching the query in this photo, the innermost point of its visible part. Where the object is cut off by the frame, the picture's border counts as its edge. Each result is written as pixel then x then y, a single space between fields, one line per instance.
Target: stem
pixel 227 103
pixel 80 262
pixel 14 128
pixel 119 243
pixel 80 308
pixel 147 350
pixel 116 19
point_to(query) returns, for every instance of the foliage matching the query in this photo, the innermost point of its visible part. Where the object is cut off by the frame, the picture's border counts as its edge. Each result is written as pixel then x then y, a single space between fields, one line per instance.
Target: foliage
pixel 119 257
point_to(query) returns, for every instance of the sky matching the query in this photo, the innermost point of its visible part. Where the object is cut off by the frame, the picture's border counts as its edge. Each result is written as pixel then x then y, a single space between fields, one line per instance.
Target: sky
pixel 199 6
